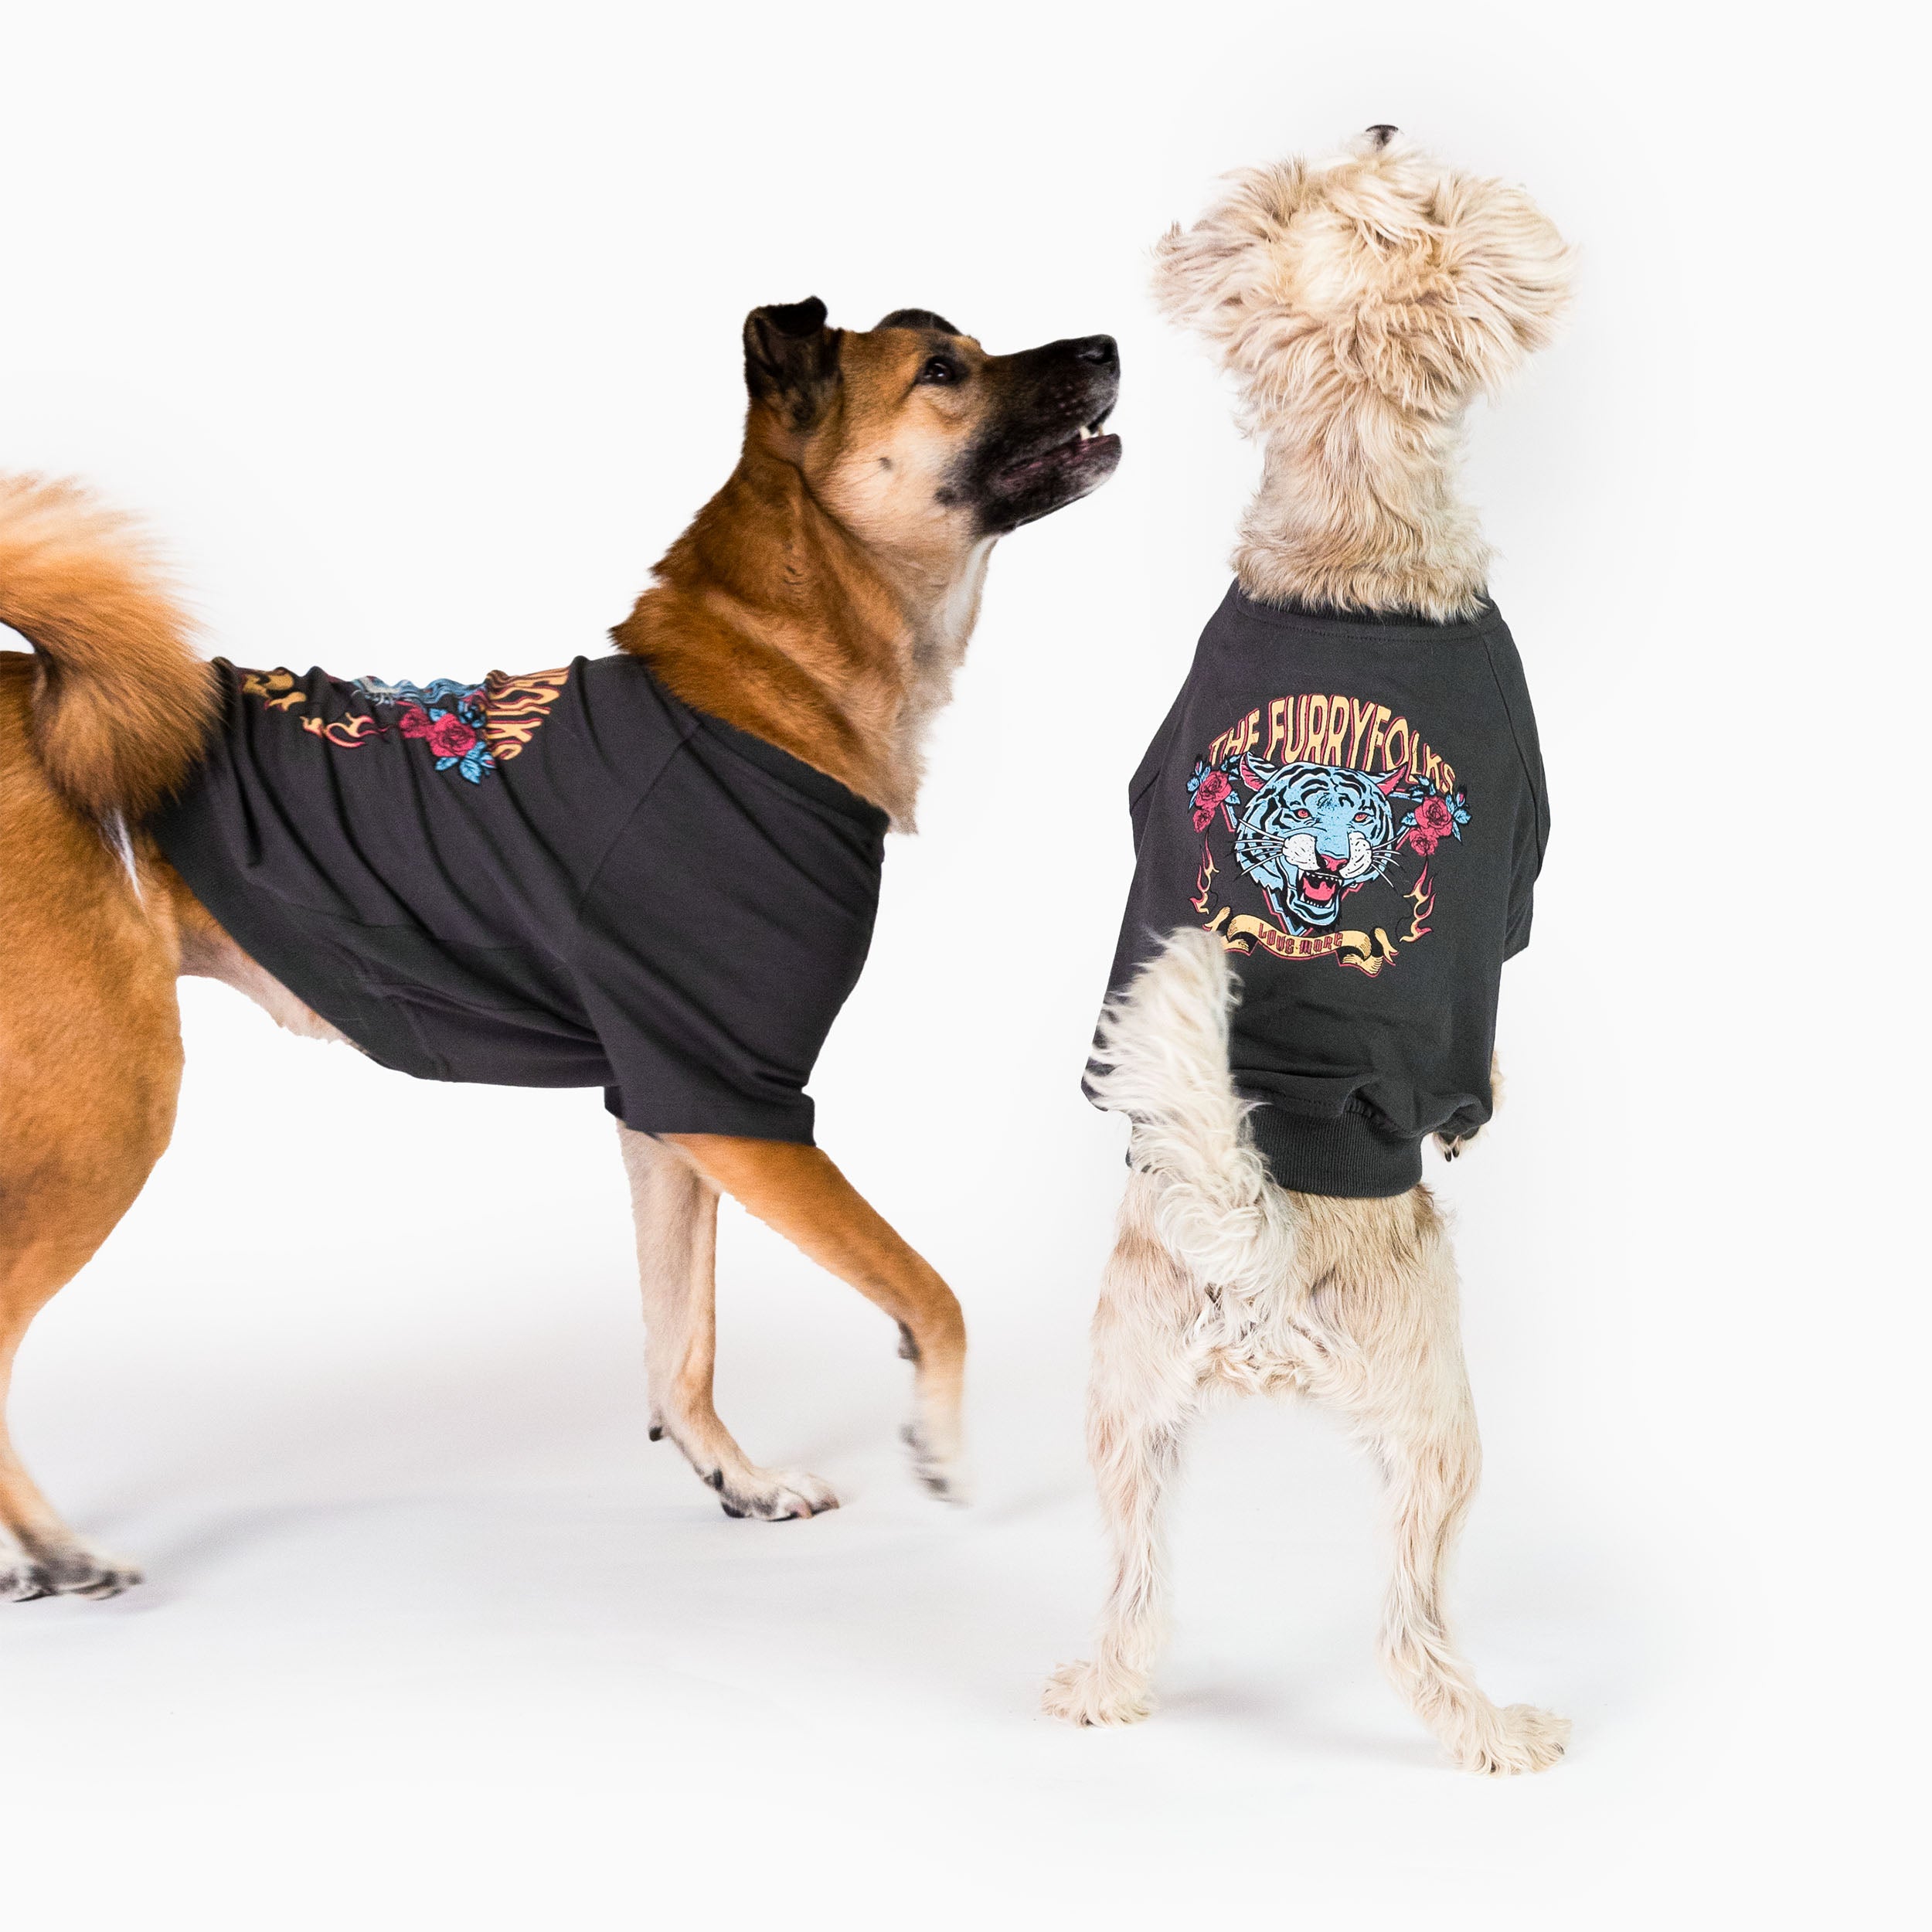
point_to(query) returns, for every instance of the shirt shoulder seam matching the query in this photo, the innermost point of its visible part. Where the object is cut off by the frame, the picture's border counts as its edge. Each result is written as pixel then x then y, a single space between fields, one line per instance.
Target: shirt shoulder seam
pixel 611 845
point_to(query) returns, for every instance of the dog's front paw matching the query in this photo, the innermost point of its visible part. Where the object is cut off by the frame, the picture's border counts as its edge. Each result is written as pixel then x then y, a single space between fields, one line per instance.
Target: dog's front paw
pixel 772 1495
pixel 72 1570
pixel 81 1570
pixel 1518 1739
pixel 22 1578
pixel 1086 1693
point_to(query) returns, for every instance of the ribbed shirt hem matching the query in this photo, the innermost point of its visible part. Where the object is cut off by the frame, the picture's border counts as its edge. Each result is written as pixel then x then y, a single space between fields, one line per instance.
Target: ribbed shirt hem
pixel 1346 1158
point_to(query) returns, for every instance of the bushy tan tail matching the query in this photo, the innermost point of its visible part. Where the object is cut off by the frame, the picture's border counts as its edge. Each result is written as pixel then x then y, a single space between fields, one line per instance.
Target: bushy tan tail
pixel 123 703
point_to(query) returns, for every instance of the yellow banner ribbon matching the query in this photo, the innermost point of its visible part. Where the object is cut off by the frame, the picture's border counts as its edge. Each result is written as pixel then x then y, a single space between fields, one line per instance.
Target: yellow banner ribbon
pixel 1367 952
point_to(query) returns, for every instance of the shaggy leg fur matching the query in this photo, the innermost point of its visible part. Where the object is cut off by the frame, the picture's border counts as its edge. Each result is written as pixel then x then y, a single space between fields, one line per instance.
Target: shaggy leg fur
pixel 1145 1389
pixel 1218 1275
pixel 676 1213
pixel 1379 1340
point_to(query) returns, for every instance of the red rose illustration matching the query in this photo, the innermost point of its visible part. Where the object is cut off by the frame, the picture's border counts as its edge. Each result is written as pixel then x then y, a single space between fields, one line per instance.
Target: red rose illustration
pixel 1209 795
pixel 415 722
pixel 449 737
pixel 1434 824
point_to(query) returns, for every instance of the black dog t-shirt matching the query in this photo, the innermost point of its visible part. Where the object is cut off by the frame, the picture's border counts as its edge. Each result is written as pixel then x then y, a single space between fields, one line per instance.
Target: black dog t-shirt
pixel 1355 808
pixel 565 880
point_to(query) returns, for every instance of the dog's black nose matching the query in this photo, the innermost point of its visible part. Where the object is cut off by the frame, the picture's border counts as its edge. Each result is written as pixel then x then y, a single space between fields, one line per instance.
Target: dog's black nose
pixel 1099 350
pixel 1383 133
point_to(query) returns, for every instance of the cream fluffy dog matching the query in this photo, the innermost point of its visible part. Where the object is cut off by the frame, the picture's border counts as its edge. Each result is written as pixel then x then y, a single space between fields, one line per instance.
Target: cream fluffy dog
pixel 1360 304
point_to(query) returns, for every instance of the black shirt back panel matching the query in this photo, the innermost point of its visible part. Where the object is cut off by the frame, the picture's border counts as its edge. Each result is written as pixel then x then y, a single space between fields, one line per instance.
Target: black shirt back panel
pixel 1355 808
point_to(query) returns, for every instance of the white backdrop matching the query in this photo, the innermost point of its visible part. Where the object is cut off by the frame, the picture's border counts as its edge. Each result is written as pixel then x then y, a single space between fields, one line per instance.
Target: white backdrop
pixel 415 331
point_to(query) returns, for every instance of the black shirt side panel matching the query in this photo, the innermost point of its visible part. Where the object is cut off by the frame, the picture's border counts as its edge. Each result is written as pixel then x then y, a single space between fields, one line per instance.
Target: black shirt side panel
pixel 425 914
pixel 262 838
pixel 568 879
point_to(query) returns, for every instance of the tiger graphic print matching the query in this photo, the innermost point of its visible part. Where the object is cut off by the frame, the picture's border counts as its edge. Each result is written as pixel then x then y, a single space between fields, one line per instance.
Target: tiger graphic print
pixel 1307 834
pixel 1310 835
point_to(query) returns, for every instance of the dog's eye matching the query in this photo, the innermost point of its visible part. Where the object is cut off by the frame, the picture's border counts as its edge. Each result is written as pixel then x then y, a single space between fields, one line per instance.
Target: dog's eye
pixel 941 369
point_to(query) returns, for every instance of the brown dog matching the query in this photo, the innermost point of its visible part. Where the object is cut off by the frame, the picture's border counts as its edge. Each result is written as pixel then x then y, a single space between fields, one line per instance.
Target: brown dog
pixel 820 603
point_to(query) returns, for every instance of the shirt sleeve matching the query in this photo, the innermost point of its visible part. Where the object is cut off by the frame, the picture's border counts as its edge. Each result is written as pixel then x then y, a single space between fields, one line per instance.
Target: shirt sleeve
pixel 720 938
pixel 1532 817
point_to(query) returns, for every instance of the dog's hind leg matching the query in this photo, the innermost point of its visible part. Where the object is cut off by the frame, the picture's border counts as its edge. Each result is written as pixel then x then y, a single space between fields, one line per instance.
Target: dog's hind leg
pixel 676 1212
pixel 796 1191
pixel 1396 1368
pixel 73 1205
pixel 90 1039
pixel 1147 1380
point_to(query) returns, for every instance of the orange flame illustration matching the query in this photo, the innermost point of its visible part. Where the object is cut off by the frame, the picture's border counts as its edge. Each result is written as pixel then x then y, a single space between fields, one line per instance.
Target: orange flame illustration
pixel 513 707
pixel 1203 879
pixel 1424 902
pixel 264 684
pixel 347 733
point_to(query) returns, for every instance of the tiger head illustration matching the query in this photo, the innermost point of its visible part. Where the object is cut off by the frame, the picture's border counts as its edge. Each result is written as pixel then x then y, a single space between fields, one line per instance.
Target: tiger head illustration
pixel 1312 834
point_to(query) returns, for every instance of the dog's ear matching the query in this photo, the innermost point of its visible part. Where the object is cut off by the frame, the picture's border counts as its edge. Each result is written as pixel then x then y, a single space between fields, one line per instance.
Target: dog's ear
pixel 791 359
pixel 1512 270
pixel 1218 276
pixel 1386 268
pixel 1459 306
pixel 917 318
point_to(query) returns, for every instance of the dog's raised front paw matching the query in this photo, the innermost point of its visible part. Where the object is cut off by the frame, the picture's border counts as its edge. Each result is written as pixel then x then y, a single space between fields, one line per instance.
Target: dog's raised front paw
pixel 772 1495
pixel 1084 1693
pixel 1517 1738
pixel 944 1473
pixel 81 1570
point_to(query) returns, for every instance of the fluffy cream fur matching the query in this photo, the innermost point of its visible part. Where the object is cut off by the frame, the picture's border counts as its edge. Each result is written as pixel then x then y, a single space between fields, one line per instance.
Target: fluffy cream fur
pixel 1162 1059
pixel 1219 1280
pixel 1361 305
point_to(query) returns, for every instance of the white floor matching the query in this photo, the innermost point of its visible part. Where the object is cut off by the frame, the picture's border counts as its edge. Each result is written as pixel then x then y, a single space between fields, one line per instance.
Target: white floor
pixel 433 1636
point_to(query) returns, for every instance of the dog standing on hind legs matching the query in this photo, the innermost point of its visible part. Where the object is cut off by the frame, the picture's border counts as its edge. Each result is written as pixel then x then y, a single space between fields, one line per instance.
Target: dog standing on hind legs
pixel 1337 831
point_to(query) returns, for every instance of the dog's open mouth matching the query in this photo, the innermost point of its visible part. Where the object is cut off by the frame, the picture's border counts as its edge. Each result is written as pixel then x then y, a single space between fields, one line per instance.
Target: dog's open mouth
pixel 1086 445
